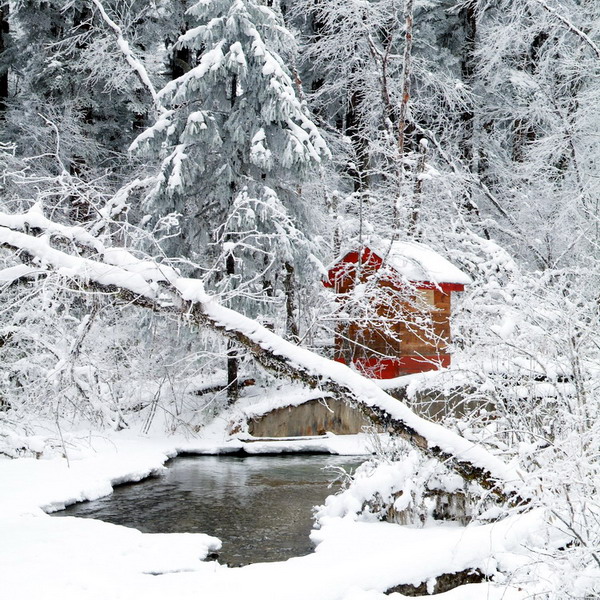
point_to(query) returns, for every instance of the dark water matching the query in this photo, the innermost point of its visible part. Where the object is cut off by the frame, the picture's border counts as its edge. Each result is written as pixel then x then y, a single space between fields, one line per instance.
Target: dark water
pixel 259 507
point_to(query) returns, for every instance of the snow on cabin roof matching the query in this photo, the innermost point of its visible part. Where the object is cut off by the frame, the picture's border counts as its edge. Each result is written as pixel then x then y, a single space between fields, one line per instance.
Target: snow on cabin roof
pixel 418 262
pixel 415 261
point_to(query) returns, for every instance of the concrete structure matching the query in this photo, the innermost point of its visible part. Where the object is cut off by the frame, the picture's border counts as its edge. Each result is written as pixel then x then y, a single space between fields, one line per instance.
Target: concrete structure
pixel 321 415
pixel 314 417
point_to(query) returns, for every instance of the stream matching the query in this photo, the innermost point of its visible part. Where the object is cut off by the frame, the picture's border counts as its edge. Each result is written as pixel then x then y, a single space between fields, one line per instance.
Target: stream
pixel 260 507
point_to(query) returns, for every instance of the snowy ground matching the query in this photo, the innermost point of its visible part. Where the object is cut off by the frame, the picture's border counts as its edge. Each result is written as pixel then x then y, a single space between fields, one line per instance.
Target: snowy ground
pixel 83 559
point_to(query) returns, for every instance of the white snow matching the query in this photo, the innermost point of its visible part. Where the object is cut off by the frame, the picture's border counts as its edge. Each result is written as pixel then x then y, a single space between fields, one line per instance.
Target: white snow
pixel 75 266
pixel 34 219
pixel 211 60
pixel 259 153
pixel 418 262
pixel 148 269
pixel 162 124
pixel 11 274
pixel 80 559
pixel 191 289
pixel 236 55
pixel 279 397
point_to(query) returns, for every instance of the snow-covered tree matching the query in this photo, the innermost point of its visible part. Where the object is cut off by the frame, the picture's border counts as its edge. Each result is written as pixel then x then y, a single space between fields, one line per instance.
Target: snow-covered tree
pixel 380 73
pixel 73 91
pixel 535 151
pixel 236 143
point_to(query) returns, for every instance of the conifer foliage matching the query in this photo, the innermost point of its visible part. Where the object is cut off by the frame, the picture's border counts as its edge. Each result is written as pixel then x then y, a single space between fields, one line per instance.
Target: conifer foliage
pixel 235 139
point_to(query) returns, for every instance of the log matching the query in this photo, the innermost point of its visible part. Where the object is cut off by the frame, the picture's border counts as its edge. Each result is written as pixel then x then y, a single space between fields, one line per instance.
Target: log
pixel 160 289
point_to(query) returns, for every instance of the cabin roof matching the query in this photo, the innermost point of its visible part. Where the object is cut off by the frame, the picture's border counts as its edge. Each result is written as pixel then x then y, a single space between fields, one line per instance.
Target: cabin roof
pixel 417 262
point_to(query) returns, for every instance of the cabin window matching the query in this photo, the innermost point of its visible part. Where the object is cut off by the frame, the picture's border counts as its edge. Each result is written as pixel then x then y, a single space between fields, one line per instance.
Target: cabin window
pixel 426 298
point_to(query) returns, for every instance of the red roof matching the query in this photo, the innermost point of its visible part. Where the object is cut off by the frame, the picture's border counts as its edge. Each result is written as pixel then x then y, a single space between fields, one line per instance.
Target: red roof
pixel 412 262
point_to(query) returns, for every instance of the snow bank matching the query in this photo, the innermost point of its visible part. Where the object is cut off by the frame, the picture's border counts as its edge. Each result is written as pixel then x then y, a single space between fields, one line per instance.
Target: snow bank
pixel 386 554
pixel 77 559
pixel 95 465
pixel 68 557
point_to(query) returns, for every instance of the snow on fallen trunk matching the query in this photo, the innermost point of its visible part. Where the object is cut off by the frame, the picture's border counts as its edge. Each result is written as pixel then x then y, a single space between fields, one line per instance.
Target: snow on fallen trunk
pixel 187 296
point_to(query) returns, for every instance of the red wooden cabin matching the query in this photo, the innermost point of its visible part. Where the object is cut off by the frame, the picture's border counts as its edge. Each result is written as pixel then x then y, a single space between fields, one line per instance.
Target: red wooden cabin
pixel 408 287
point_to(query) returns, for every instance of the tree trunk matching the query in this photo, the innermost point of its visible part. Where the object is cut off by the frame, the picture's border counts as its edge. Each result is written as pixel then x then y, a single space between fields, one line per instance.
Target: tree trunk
pixel 353 129
pixel 292 331
pixel 403 114
pixel 414 231
pixel 232 355
pixel 467 67
pixel 4 29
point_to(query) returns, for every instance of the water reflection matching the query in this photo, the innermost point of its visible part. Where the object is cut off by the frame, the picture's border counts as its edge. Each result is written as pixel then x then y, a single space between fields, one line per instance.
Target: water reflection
pixel 260 507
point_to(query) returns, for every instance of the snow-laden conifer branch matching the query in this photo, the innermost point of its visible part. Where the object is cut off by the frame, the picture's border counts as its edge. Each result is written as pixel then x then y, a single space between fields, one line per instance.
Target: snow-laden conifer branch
pixel 151 285
pixel 130 57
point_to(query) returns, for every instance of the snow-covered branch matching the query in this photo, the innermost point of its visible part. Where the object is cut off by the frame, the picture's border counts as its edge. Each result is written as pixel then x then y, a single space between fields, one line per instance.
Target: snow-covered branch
pixel 131 59
pixel 570 26
pixel 34 219
pixel 149 284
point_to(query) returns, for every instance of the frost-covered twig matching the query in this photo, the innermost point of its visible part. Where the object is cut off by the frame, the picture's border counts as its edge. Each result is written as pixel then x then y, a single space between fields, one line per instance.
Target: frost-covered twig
pixel 570 26
pixel 463 171
pixel 131 59
pixel 119 204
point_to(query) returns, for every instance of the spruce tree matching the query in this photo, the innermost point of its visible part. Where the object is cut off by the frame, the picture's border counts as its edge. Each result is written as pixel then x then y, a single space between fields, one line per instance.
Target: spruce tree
pixel 236 143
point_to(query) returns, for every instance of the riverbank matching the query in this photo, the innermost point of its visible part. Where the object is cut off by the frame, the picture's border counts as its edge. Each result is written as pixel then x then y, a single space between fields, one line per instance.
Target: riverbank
pixel 84 559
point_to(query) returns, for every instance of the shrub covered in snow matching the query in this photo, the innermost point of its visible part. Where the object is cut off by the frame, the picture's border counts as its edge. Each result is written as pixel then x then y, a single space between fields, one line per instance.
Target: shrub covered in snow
pixel 403 487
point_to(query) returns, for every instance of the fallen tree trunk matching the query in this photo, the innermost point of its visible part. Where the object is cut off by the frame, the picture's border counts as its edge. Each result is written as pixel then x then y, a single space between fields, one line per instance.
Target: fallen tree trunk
pixel 154 286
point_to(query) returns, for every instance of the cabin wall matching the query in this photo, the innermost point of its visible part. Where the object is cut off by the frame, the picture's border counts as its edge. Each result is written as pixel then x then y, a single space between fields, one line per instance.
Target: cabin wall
pixel 415 346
